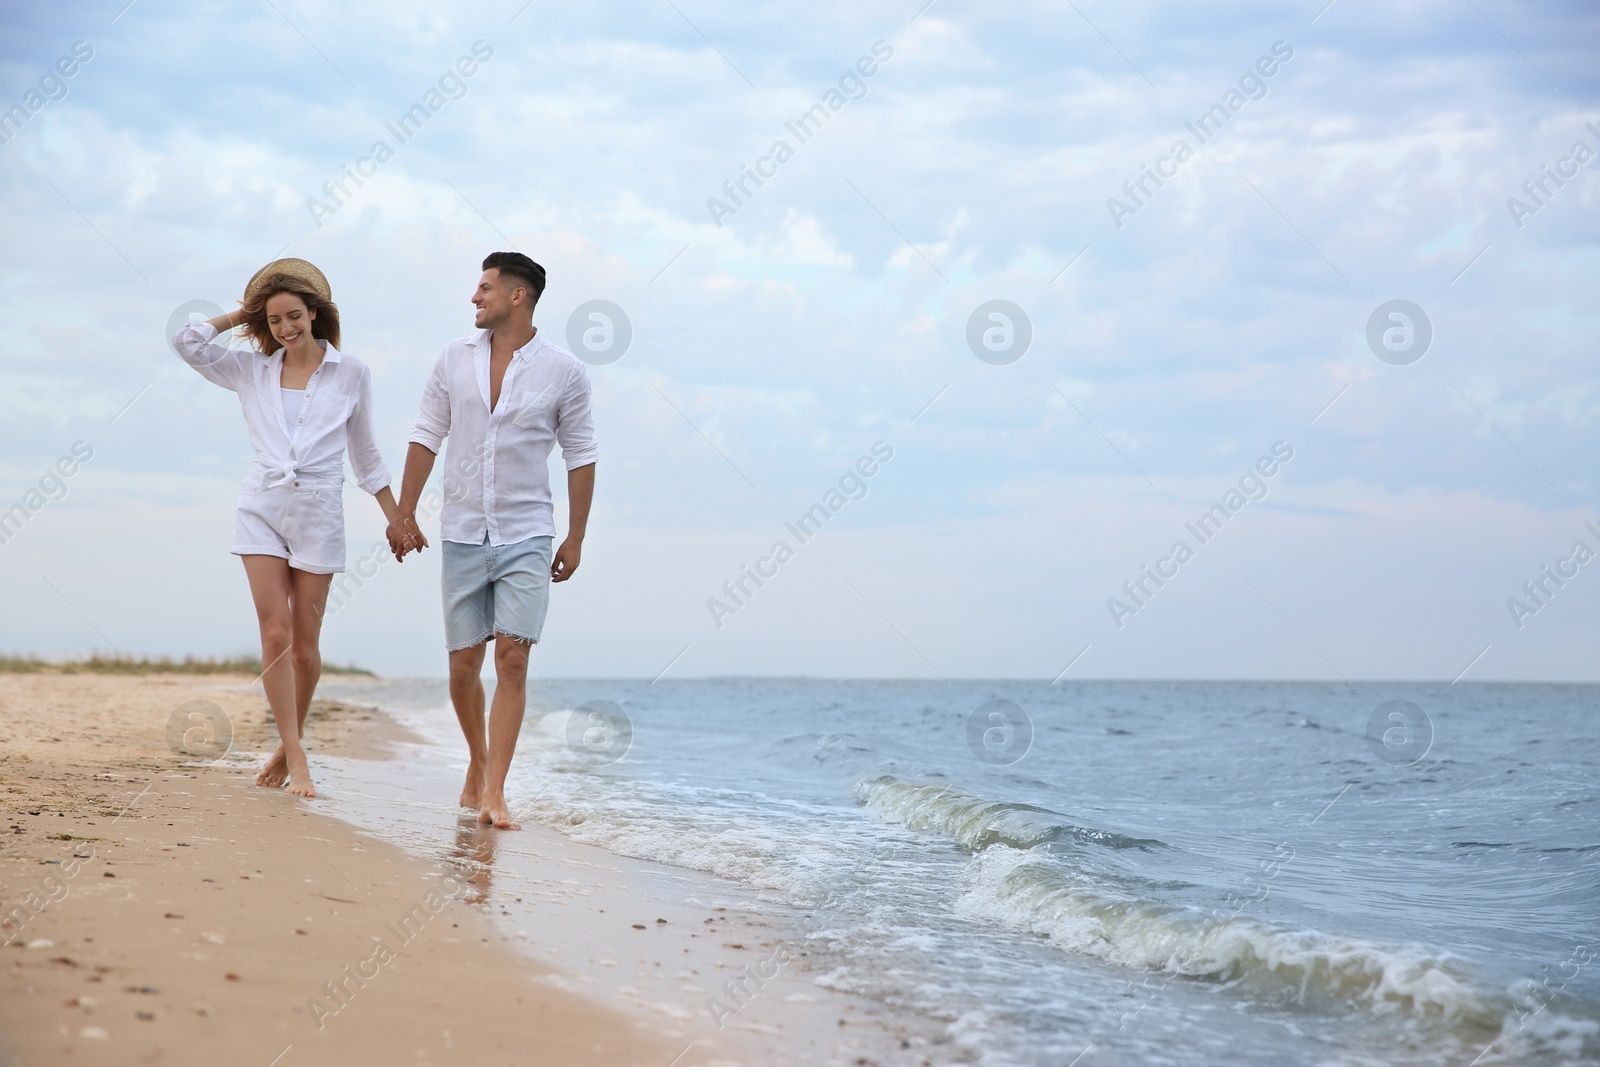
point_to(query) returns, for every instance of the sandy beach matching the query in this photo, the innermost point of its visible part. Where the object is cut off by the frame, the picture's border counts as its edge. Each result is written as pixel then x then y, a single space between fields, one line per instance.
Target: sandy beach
pixel 159 909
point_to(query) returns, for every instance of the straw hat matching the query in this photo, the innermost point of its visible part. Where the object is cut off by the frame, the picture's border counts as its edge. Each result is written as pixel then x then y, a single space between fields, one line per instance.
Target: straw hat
pixel 295 268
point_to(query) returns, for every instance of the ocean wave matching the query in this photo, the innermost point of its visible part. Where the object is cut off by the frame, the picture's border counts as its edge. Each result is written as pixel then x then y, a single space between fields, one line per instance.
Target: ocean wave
pixel 976 823
pixel 1276 962
pixel 1030 869
pixel 1087 910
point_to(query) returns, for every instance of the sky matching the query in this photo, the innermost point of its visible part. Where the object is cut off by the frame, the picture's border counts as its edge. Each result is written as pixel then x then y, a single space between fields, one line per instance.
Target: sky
pixel 958 272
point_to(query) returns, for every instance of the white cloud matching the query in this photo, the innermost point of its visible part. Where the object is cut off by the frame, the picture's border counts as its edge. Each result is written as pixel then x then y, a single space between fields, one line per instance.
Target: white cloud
pixel 1220 317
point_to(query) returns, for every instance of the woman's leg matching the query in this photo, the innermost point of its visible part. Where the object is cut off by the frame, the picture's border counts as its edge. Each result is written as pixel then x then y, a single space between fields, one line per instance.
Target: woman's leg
pixel 308 600
pixel 270 588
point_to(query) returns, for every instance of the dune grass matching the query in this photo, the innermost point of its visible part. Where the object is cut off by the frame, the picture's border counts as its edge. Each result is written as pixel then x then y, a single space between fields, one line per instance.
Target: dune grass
pixel 97 663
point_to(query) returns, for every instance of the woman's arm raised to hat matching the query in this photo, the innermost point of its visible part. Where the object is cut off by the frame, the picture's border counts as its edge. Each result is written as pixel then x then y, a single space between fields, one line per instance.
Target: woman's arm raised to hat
pixel 218 364
pixel 224 323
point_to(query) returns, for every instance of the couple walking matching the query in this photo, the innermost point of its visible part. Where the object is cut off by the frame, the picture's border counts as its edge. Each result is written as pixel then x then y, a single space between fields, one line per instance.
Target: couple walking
pixel 502 397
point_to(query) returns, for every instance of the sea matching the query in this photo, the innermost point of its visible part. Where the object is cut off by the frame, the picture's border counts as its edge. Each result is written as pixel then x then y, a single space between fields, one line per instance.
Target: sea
pixel 1099 872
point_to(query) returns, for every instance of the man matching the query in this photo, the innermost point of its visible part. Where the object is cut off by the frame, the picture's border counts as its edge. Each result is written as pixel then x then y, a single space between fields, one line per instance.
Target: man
pixel 503 397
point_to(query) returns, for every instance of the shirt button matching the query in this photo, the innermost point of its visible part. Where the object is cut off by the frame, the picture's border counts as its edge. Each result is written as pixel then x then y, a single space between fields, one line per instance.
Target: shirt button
pixel 297 485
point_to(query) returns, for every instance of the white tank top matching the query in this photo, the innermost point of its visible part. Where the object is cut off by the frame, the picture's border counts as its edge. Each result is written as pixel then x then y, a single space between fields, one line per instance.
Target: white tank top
pixel 291 406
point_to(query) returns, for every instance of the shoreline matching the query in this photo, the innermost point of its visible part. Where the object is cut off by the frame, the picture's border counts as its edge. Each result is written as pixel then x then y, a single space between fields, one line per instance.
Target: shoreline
pixel 724 972
pixel 181 914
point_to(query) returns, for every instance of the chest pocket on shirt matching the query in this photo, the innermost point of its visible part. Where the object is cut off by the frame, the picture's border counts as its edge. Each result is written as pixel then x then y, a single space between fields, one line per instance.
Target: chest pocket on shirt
pixel 332 409
pixel 535 408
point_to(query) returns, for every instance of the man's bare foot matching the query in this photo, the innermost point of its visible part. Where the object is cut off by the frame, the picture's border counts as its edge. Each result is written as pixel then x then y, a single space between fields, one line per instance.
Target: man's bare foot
pixel 276 772
pixel 472 792
pixel 496 812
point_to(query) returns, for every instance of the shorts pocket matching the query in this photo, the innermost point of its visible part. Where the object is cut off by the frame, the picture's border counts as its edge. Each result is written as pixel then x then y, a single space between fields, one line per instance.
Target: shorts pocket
pixel 314 526
pixel 328 504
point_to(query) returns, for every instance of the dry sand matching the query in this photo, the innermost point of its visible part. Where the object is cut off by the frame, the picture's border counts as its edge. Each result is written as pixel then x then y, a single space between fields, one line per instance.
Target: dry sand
pixel 157 910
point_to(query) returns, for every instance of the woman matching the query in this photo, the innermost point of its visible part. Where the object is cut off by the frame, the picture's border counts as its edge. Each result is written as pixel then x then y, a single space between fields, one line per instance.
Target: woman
pixel 304 403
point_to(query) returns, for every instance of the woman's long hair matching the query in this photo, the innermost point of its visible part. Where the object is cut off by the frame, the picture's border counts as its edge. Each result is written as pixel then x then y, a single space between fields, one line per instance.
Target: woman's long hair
pixel 324 327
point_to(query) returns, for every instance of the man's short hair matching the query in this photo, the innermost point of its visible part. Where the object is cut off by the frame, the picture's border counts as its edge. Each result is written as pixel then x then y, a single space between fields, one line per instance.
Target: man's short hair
pixel 519 267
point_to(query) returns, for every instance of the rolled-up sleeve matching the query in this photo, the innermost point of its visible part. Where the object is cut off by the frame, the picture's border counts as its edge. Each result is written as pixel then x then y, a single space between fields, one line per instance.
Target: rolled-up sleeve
pixel 224 366
pixel 433 414
pixel 365 458
pixel 575 422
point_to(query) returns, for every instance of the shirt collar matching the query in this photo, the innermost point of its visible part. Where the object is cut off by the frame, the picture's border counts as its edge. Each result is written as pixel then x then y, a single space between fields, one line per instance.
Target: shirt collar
pixel 484 338
pixel 330 354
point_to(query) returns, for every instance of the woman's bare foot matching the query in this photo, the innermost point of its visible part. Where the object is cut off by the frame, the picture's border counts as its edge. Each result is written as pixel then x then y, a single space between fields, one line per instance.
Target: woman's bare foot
pixel 495 811
pixel 276 772
pixel 300 776
pixel 472 792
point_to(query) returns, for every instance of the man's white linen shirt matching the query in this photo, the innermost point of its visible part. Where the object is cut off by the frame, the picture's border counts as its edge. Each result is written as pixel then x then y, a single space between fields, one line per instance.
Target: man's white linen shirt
pixel 335 413
pixel 496 473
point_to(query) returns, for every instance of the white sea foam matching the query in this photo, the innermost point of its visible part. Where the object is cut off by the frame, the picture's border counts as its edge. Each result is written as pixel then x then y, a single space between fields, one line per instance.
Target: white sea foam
pixel 787 848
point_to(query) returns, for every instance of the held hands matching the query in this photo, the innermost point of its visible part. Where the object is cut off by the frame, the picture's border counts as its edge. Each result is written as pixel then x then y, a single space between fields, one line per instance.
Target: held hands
pixel 405 536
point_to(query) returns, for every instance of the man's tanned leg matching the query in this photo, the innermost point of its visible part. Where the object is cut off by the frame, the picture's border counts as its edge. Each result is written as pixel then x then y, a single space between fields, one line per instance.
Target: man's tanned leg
pixel 505 723
pixel 466 694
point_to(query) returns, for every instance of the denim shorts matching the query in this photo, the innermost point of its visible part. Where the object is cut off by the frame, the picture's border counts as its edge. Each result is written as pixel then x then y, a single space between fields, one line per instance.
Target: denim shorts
pixel 495 589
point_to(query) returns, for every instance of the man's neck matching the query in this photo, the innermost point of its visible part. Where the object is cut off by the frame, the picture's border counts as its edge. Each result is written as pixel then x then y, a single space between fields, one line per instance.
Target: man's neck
pixel 506 339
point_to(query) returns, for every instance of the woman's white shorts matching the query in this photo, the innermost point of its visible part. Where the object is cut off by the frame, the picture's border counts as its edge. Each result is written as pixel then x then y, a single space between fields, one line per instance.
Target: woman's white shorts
pixel 303 524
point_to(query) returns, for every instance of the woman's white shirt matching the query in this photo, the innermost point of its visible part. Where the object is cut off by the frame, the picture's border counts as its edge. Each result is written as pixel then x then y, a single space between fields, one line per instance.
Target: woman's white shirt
pixel 334 416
